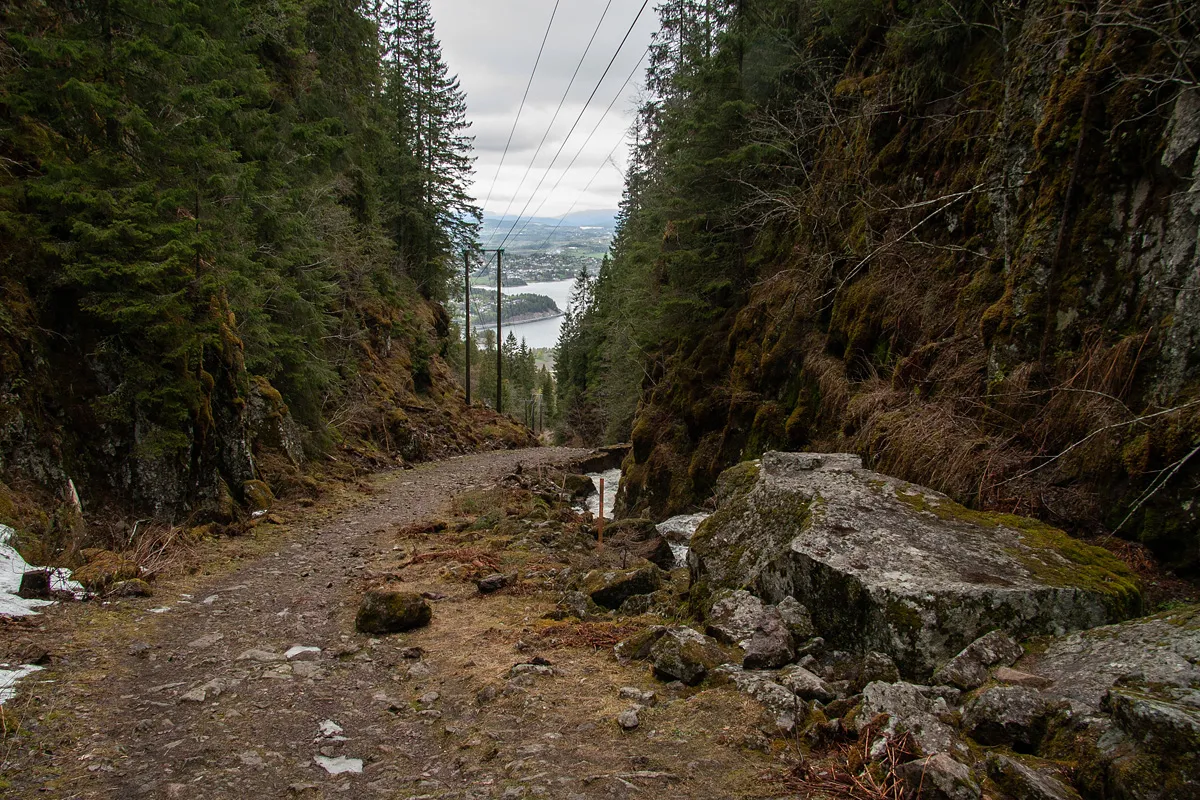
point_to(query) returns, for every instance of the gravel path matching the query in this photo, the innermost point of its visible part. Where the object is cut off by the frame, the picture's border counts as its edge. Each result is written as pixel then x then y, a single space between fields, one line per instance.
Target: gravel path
pixel 202 701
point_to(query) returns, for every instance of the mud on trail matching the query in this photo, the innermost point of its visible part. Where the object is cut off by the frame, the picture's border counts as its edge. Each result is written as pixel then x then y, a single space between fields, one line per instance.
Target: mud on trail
pixel 202 701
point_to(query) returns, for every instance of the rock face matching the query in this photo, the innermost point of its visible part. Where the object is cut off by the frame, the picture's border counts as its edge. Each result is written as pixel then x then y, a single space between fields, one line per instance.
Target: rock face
pixel 1009 715
pixel 640 537
pixel 891 566
pixel 386 610
pixel 939 777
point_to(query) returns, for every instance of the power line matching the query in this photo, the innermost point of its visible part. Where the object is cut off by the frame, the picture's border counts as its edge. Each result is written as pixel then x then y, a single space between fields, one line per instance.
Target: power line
pixel 611 61
pixel 599 122
pixel 595 175
pixel 525 97
pixel 553 119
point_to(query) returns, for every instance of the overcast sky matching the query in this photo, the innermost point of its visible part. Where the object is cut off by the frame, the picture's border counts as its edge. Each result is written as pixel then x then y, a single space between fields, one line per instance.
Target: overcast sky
pixel 492 45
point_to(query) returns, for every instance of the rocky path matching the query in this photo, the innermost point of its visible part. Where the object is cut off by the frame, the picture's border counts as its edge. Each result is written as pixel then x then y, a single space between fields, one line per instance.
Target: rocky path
pixel 254 683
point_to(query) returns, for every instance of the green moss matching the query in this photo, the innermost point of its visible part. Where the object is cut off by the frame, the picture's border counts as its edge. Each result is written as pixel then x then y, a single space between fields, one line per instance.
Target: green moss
pixel 737 480
pixel 1090 568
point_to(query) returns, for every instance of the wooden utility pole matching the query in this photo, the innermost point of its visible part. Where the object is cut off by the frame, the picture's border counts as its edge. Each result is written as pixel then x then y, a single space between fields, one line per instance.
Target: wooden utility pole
pixel 467 297
pixel 499 339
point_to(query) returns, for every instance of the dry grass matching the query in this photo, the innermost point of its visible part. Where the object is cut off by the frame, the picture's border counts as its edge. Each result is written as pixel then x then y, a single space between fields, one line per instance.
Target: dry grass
pixel 849 771
pixel 587 635
pixel 466 555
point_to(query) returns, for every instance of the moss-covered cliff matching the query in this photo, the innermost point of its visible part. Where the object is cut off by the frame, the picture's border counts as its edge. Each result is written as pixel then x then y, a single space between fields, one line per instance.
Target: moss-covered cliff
pixel 958 238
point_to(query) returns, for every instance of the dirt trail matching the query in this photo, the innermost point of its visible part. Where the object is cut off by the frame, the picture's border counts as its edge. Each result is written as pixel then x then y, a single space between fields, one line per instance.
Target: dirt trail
pixel 177 703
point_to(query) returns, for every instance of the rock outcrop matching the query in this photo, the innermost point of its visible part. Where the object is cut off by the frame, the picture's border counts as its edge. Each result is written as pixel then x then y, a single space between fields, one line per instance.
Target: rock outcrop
pixel 890 566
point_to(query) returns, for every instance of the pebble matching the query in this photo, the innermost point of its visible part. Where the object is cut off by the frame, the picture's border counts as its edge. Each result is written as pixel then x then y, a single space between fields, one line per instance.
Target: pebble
pixel 302 653
pixel 637 695
pixel 628 720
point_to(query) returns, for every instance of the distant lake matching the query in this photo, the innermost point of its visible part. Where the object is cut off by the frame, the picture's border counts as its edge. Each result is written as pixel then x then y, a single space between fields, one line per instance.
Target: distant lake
pixel 543 333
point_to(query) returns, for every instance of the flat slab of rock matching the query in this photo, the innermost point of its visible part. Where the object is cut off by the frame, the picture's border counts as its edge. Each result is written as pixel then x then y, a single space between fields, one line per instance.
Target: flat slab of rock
pixel 891 566
pixel 611 588
pixel 1160 651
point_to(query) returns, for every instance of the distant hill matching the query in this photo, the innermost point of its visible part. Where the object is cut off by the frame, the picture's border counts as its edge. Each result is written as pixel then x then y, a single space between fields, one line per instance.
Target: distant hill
pixel 597 217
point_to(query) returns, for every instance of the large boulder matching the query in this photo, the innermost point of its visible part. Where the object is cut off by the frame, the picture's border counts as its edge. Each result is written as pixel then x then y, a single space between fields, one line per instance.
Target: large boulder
pixel 640 538
pixel 612 587
pixel 734 617
pixel 1134 689
pixel 388 610
pixel 682 654
pixel 891 566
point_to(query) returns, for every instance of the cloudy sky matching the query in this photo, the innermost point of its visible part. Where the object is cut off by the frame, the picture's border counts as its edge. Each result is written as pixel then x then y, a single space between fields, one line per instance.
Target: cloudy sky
pixel 492 45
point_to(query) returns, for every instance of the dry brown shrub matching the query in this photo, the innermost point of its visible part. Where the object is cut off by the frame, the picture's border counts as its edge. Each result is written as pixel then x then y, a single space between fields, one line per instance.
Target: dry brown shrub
pixel 466 555
pixel 587 635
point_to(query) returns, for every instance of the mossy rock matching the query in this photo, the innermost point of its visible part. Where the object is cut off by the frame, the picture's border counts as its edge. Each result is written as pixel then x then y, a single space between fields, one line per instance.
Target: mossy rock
pixel 258 496
pixel 386 610
pixel 893 567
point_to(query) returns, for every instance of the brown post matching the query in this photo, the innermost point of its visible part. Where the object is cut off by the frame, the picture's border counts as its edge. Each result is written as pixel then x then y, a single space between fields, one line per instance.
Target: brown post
pixel 499 340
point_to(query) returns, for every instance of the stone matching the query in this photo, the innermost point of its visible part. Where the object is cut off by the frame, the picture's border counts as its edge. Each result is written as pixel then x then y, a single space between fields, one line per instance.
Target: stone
pixel 1028 783
pixel 1159 654
pixel 134 587
pixel 797 618
pixel 492 583
pixel 806 685
pixel 969 669
pixel 734 617
pixel 645 698
pixel 577 487
pixel 257 495
pixel 1018 678
pixel 887 565
pixel 302 652
pixel 35 584
pixel 638 646
pixel 685 655
pixel 1009 715
pixel 577 605
pixel 909 711
pixel 307 669
pixel 771 645
pixel 640 538
pixel 875 666
pixel 787 710
pixel 628 720
pixel 208 691
pixel 261 656
pixel 611 588
pixel 205 641
pixel 386 610
pixel 339 765
pixel 939 777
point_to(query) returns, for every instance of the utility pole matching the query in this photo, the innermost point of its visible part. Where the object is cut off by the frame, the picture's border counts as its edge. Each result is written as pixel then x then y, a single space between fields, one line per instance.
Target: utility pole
pixel 467 297
pixel 499 340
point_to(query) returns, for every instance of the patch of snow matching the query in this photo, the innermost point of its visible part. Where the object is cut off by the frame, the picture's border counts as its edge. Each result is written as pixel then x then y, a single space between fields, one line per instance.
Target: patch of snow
pixel 9 677
pixel 339 765
pixel 12 567
pixel 330 728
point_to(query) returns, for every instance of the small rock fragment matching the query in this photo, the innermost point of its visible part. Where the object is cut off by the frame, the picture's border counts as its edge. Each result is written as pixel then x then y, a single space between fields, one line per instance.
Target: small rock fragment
pixel 339 765
pixel 261 656
pixel 637 695
pixel 208 640
pixel 492 583
pixel 302 653
pixel 628 720
pixel 806 685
